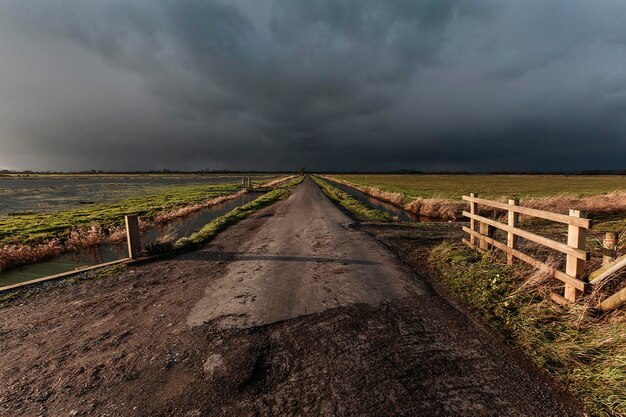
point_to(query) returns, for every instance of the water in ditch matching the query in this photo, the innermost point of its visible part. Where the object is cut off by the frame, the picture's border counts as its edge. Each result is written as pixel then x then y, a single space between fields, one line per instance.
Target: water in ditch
pixel 397 213
pixel 107 252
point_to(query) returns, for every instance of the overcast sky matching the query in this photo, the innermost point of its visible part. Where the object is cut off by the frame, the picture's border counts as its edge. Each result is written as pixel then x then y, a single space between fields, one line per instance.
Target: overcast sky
pixel 327 84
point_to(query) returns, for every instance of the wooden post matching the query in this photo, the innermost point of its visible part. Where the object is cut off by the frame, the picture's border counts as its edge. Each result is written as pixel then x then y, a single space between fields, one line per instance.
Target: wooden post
pixel 574 267
pixel 484 231
pixel 609 244
pixel 473 210
pixel 511 240
pixel 614 301
pixel 132 236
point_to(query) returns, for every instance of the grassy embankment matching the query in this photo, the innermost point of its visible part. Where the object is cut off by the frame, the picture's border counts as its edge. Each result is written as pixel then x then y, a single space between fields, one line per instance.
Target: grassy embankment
pixel 32 237
pixel 350 203
pixel 204 235
pixel 27 238
pixel 584 350
pixel 211 229
pixel 38 227
pixel 439 196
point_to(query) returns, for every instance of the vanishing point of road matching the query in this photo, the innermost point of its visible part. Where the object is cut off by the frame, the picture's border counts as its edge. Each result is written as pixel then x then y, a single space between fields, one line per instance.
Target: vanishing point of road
pixel 294 311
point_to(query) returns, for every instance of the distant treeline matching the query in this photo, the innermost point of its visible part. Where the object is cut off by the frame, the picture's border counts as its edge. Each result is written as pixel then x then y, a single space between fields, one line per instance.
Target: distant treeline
pixel 399 171
pixel 160 171
pixel 417 172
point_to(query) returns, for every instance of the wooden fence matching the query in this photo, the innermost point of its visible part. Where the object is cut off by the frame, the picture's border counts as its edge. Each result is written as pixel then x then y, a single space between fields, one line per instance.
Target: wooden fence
pixel 480 238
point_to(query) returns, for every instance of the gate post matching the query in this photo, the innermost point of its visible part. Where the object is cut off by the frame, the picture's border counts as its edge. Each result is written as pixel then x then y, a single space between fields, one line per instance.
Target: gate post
pixel 574 267
pixel 484 231
pixel 132 236
pixel 511 240
pixel 473 210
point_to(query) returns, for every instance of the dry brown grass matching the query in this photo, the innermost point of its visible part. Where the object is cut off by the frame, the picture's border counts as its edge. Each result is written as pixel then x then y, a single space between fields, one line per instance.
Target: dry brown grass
pixel 278 181
pixel 84 237
pixel 187 210
pixel 447 209
pixel 118 234
pixel 12 256
pixel 614 202
pixel 539 278
pixel 438 208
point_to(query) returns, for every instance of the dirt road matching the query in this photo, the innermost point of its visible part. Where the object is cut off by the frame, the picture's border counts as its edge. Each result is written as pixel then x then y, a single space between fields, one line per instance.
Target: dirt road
pixel 305 259
pixel 290 312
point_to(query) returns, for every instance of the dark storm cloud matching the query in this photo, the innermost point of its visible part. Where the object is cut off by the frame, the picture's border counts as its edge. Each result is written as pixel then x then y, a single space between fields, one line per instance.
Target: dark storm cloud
pixel 354 84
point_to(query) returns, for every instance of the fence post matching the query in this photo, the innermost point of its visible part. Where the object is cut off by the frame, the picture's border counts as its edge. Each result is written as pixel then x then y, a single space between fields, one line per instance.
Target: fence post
pixel 511 239
pixel 609 244
pixel 473 210
pixel 574 267
pixel 484 231
pixel 132 236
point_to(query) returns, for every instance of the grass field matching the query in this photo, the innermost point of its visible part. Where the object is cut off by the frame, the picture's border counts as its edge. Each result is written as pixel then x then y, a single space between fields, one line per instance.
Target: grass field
pixel 27 237
pixel 48 193
pixel 490 186
pixel 439 196
pixel 37 227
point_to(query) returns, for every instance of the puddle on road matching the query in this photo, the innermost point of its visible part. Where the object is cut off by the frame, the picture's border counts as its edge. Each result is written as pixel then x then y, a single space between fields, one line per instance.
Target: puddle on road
pixel 110 252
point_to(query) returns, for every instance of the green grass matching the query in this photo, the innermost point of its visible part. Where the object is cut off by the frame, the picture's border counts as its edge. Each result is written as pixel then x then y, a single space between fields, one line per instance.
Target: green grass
pixel 35 227
pixel 211 229
pixel 350 203
pixel 204 235
pixel 293 182
pixel 586 352
pixel 489 186
pixel 199 175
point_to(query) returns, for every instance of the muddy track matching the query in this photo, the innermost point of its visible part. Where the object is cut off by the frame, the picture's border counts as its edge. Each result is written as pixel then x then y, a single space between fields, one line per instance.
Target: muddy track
pixel 290 312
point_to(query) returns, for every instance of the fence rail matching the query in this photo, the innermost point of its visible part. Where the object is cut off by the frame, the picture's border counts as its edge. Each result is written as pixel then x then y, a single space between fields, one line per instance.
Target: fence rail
pixel 480 238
